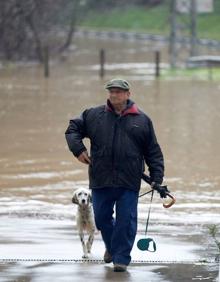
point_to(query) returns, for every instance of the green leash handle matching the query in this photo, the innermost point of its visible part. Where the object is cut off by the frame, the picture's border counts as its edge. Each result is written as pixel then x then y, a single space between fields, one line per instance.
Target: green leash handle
pixel 144 244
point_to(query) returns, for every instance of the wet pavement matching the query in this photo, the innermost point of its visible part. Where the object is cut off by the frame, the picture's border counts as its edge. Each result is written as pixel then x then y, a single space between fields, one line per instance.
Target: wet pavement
pixel 98 272
pixel 38 174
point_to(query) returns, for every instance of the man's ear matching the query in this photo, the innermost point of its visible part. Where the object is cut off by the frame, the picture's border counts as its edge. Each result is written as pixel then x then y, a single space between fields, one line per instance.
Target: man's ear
pixel 74 199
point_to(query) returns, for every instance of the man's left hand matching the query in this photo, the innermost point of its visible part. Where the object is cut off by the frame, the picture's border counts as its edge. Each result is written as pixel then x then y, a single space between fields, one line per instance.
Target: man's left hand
pixel 162 190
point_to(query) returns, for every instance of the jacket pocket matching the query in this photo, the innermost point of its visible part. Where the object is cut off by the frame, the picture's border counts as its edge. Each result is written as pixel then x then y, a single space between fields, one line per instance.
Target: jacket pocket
pixel 100 167
pixel 134 164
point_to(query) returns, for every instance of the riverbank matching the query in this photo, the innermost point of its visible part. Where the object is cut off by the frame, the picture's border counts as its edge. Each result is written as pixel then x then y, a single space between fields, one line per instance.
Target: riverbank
pixel 155 20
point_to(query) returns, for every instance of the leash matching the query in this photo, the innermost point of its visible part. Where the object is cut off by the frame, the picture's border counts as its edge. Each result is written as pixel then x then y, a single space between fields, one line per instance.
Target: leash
pixel 147 179
pixel 148 217
pixel 145 193
pixel 144 244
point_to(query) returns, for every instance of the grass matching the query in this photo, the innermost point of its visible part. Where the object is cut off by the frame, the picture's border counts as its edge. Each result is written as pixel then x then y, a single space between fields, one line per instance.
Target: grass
pixel 194 73
pixel 213 232
pixel 133 19
pixel 151 20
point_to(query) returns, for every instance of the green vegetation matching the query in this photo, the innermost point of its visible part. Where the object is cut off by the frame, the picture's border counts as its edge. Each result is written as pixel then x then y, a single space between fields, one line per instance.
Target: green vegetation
pixel 150 20
pixel 132 18
pixel 213 231
pixel 194 73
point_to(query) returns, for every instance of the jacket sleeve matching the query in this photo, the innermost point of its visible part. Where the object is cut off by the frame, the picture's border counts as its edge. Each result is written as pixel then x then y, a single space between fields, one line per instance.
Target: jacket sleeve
pixel 75 133
pixel 153 157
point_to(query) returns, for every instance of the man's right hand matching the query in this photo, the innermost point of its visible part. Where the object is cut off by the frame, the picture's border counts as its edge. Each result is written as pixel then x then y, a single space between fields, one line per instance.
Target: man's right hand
pixel 84 158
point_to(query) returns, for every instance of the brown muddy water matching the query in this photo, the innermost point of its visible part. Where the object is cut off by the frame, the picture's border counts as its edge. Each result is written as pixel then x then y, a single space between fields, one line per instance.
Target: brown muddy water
pixel 38 174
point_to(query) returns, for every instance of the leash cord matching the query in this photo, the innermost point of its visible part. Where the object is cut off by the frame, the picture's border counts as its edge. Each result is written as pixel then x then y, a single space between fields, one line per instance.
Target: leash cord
pixel 145 193
pixel 148 217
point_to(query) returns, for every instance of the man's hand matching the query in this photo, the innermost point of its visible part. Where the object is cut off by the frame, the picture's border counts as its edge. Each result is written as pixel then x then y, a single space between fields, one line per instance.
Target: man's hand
pixel 162 190
pixel 84 158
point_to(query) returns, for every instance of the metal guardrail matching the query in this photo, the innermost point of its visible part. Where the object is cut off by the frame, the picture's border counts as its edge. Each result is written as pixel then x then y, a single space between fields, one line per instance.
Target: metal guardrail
pixel 130 35
pixel 99 261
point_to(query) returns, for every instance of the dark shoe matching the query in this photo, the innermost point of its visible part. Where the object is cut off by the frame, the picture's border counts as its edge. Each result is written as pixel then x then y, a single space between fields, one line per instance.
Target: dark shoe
pixel 107 257
pixel 120 267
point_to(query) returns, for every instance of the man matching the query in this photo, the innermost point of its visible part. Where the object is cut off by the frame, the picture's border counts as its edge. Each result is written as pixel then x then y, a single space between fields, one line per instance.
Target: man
pixel 122 138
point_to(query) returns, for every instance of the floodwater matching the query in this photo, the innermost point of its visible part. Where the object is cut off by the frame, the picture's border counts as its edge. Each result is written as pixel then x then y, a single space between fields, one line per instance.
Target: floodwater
pixel 38 174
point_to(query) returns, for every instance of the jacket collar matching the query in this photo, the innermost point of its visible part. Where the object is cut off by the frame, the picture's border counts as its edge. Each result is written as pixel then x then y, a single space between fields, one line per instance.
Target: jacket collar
pixel 131 108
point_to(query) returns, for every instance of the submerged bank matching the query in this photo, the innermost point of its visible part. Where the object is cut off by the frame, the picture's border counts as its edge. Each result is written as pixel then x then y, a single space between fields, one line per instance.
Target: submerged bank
pixel 154 20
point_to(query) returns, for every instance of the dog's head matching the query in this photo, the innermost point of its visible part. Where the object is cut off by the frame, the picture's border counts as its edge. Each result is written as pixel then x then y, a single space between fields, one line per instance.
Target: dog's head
pixel 82 197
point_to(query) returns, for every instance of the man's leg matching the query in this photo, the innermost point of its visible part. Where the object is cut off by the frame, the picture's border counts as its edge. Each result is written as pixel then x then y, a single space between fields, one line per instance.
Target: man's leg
pixel 125 226
pixel 103 205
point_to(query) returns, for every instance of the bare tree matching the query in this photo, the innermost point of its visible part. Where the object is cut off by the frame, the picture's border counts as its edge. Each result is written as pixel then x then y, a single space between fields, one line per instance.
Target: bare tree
pixel 27 26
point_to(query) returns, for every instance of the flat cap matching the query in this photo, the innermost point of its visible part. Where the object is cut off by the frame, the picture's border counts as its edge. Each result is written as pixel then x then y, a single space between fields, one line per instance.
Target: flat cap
pixel 118 83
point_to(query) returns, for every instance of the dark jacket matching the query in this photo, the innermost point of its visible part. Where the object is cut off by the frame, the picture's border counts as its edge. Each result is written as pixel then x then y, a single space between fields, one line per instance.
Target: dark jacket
pixel 119 146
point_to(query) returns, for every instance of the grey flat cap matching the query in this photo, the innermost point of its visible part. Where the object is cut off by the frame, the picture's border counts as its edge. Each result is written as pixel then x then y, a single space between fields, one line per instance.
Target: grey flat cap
pixel 118 83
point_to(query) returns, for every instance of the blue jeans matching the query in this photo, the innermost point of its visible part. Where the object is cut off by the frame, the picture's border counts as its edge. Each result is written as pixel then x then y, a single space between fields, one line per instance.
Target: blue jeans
pixel 118 233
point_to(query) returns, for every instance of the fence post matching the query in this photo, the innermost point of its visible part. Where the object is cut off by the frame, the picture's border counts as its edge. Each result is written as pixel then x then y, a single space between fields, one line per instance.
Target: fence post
pixel 46 62
pixel 210 73
pixel 157 63
pixel 102 63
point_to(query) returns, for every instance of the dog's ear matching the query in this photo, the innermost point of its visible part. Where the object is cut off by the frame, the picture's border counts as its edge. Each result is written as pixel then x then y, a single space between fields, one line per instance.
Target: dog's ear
pixel 90 197
pixel 74 199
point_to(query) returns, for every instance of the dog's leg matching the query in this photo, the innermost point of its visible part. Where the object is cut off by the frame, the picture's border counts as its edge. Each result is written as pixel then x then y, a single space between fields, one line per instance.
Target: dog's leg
pixel 90 241
pixel 85 254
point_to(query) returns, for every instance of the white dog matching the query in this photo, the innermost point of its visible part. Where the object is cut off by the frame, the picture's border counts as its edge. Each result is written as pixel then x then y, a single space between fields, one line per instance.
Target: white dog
pixel 84 218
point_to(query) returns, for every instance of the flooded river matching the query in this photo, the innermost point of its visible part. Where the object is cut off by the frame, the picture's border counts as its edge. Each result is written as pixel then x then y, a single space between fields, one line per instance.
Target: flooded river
pixel 38 174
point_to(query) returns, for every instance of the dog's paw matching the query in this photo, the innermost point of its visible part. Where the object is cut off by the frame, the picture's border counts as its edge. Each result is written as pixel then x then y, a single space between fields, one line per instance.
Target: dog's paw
pixel 89 247
pixel 85 256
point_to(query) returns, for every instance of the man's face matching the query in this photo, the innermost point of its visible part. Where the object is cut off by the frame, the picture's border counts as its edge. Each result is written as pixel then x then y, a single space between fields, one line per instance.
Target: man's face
pixel 118 96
